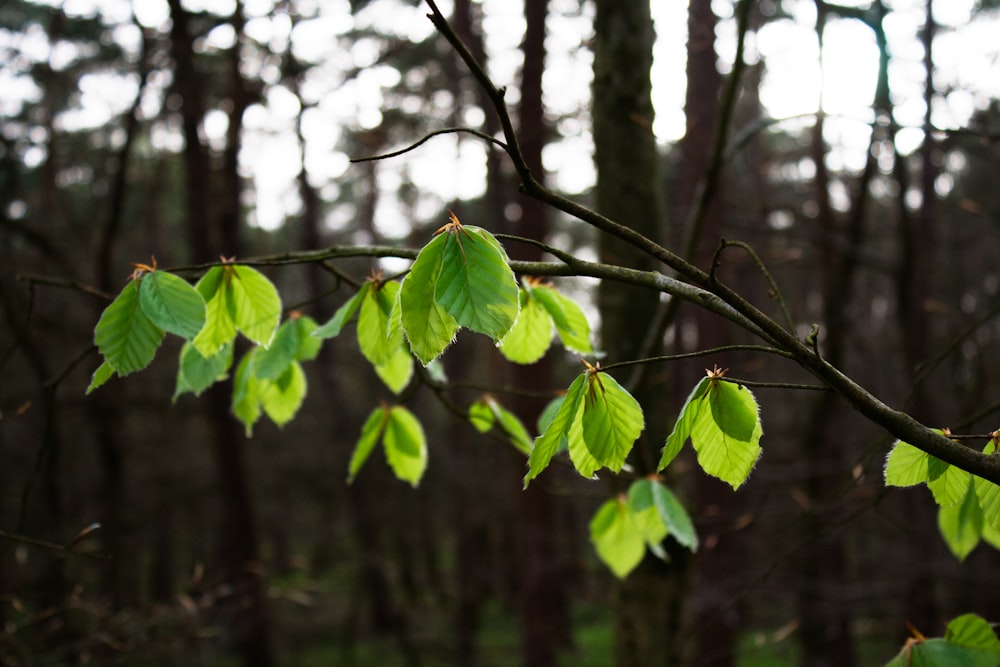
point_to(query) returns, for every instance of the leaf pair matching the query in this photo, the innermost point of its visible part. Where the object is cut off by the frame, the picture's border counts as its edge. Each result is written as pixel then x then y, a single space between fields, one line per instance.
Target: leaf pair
pixel 969 641
pixel 379 332
pixel 487 412
pixel 722 420
pixel 598 421
pixel 542 309
pixel 624 527
pixel 132 327
pixel 460 279
pixel 402 438
pixel 969 506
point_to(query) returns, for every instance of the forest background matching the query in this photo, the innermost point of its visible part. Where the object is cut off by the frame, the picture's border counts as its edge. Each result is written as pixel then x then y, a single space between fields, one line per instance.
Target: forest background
pixel 852 147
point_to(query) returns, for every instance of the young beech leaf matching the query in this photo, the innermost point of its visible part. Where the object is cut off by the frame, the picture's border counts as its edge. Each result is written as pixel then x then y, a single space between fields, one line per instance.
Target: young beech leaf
pixel 427 325
pixel 103 373
pixel 906 465
pixel 281 398
pixel 397 371
pixel 531 335
pixel 343 315
pixel 549 413
pixel 988 494
pixel 571 324
pixel 481 416
pixel 734 410
pixel 405 445
pixel 486 412
pixel 125 335
pixel 977 636
pixel 246 393
pixel 683 425
pixel 378 343
pixel 950 486
pixel 195 373
pixel 961 525
pixel 370 434
pixel 475 285
pixel 308 345
pixel 646 493
pixel 172 304
pixel 220 327
pixel 720 452
pixel 547 444
pixel 612 420
pixel 256 304
pixel 272 362
pixel 619 542
pixel 932 653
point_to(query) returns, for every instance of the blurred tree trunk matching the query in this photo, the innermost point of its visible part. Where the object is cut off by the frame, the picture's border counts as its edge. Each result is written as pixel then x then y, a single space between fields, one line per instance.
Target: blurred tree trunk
pixel 649 602
pixel 213 231
pixel 544 603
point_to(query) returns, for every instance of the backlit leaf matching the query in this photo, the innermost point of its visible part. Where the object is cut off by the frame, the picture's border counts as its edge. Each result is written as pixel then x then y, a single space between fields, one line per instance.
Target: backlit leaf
pixel 246 393
pixel 950 486
pixel 612 420
pixel 646 493
pixel 374 337
pixel 685 422
pixel 962 524
pixel 220 327
pixel 370 434
pixel 397 371
pixel 932 653
pixel 481 416
pixel 309 345
pixel 103 373
pixel 977 636
pixel 571 324
pixel 256 304
pixel 531 335
pixel 475 285
pixel 125 335
pixel 734 409
pixel 195 373
pixel 721 453
pixel 172 304
pixel 273 361
pixel 547 444
pixel 619 542
pixel 405 445
pixel 428 327
pixel 281 398
pixel 906 465
pixel 343 314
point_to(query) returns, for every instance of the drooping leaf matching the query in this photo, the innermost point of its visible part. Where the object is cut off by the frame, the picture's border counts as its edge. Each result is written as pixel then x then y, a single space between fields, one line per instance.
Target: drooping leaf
pixel 514 428
pixel 343 314
pixel 273 361
pixel 172 304
pixel 734 410
pixel 374 337
pixel 977 636
pixel 531 335
pixel 549 413
pixel 723 453
pixel 950 485
pixel 571 324
pixel 906 465
pixel 103 373
pixel 558 430
pixel 961 525
pixel 370 434
pixel 428 327
pixel 619 542
pixel 612 420
pixel 125 335
pixel 645 493
pixel 281 398
pixel 256 304
pixel 932 653
pixel 481 416
pixel 195 373
pixel 685 422
pixel 397 371
pixel 246 393
pixel 309 345
pixel 405 445
pixel 220 326
pixel 475 285
pixel 988 494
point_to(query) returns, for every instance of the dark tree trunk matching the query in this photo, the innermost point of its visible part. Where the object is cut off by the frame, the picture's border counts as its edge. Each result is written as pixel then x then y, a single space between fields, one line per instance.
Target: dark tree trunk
pixel 648 613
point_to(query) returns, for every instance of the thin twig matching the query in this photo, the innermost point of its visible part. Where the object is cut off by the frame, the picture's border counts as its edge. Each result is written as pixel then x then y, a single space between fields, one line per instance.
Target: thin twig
pixel 427 137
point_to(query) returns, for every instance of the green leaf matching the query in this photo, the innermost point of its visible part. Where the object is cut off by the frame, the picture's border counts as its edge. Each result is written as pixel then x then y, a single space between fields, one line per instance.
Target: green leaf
pixel 481 416
pixel 195 373
pixel 721 452
pixel 370 434
pixel 428 327
pixel 309 345
pixel 220 327
pixel 932 653
pixel 734 410
pixel 513 428
pixel 612 420
pixel 950 485
pixel 645 493
pixel 977 636
pixel 683 425
pixel 619 542
pixel 397 371
pixel 549 413
pixel 172 304
pixel 374 337
pixel 246 393
pixel 125 335
pixel 273 361
pixel 343 315
pixel 571 324
pixel 989 495
pixel 475 285
pixel 548 442
pixel 103 373
pixel 962 524
pixel 531 335
pixel 256 304
pixel 405 445
pixel 282 398
pixel 906 465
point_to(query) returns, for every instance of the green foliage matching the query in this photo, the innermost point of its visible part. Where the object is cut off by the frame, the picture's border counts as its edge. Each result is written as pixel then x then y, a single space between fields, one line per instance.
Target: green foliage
pixel 239 299
pixel 969 641
pixel 402 438
pixel 125 334
pixel 969 509
pixel 172 304
pixel 650 492
pixel 598 421
pixel 617 537
pixel 722 421
pixel 487 412
pixel 195 373
pixel 543 308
